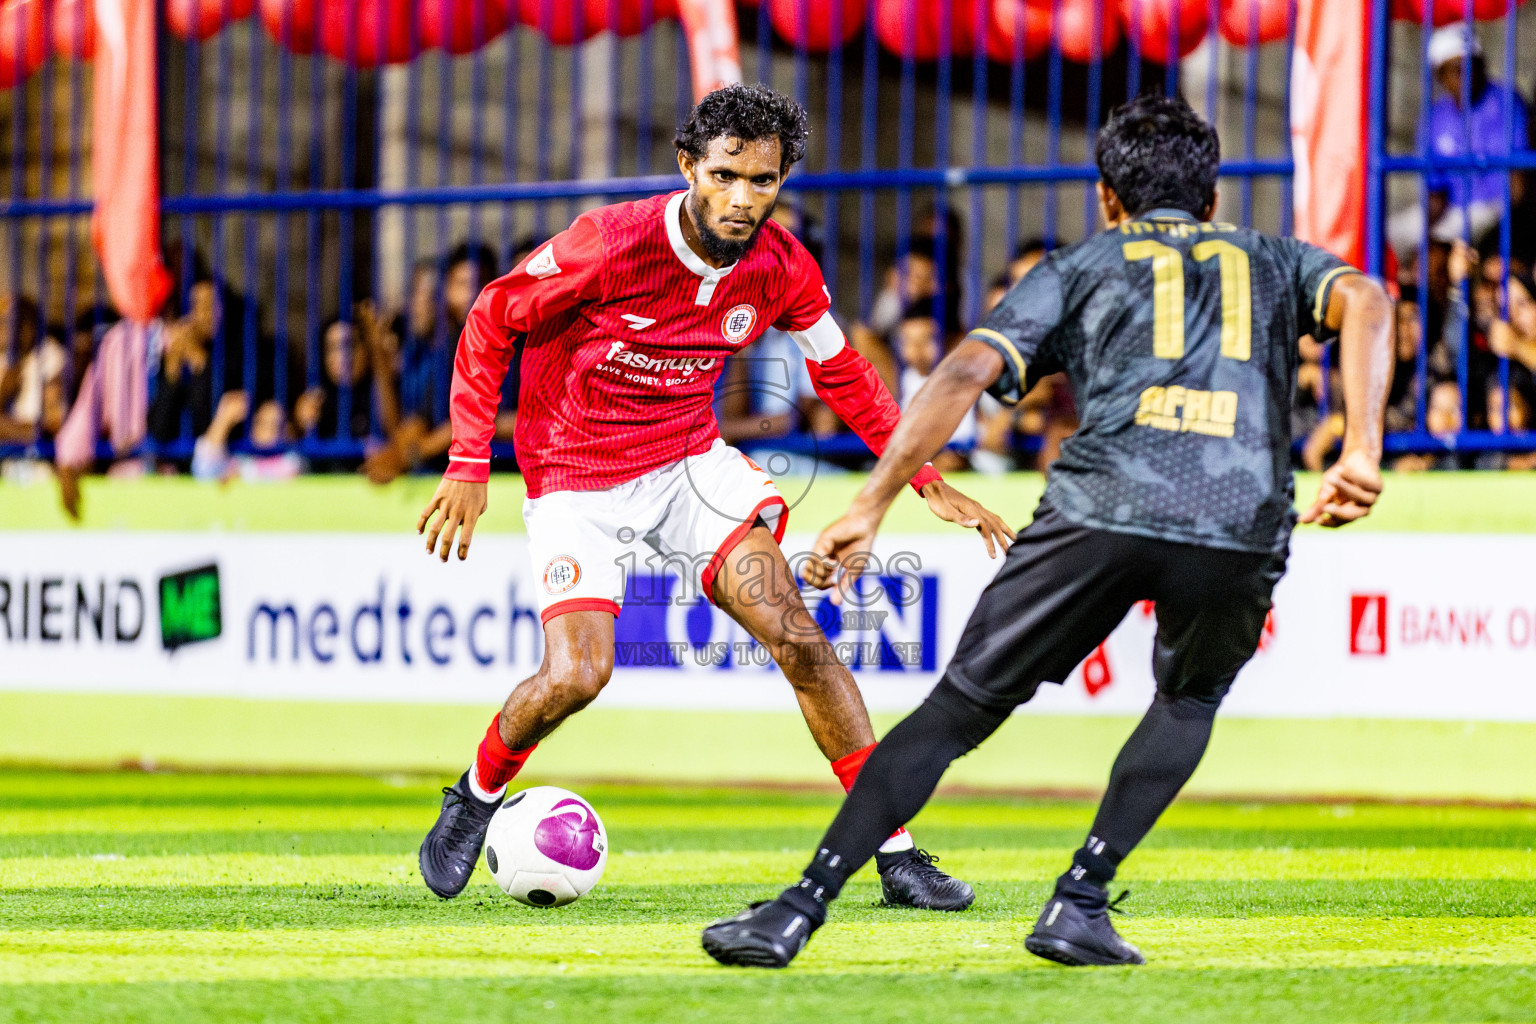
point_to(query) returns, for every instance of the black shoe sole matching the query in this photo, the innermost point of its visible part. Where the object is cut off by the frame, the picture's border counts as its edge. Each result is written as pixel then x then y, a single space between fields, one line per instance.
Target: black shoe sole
pixel 743 956
pixel 888 902
pixel 885 899
pixel 1071 954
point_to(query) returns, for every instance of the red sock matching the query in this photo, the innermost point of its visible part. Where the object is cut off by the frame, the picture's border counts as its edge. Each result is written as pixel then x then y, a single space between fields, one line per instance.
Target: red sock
pixel 846 768
pixel 495 762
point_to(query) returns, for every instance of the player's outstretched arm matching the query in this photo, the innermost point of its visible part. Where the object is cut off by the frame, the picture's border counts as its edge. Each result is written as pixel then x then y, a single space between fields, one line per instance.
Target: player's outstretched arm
pixel 927 425
pixel 456 504
pixel 1361 312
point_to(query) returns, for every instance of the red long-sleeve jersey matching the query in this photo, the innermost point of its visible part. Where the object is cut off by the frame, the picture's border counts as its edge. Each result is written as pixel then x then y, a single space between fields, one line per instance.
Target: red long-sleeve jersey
pixel 627 330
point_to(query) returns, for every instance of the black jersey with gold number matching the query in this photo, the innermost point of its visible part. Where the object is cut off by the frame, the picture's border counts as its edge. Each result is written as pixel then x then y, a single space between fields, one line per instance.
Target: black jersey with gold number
pixel 1180 339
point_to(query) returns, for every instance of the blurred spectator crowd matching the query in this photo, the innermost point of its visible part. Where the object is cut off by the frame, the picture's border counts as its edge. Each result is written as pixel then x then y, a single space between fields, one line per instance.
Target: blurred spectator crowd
pixel 202 390
pixel 214 396
pixel 1461 260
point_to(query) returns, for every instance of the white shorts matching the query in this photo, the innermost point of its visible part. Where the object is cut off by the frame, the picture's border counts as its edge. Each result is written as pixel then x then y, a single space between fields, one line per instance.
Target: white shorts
pixel 684 518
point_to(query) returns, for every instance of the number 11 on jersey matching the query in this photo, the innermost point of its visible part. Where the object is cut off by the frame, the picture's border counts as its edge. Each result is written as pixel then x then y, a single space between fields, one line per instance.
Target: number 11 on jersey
pixel 1168 295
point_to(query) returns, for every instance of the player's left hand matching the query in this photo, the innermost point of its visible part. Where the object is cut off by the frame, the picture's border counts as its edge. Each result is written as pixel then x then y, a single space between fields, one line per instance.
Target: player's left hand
pixel 953 507
pixel 845 546
pixel 456 503
pixel 1349 490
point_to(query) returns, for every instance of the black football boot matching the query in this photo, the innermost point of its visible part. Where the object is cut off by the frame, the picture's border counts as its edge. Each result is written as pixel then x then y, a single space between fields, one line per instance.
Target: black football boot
pixel 767 934
pixel 452 849
pixel 1074 928
pixel 909 879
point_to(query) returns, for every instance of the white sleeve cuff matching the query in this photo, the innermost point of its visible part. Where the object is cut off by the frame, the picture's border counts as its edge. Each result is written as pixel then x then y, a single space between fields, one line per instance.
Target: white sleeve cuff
pixel 822 340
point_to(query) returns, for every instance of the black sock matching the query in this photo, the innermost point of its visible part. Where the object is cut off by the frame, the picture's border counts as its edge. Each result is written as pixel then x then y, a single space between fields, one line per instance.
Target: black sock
pixel 810 898
pixel 1094 863
pixel 1152 767
pixel 895 783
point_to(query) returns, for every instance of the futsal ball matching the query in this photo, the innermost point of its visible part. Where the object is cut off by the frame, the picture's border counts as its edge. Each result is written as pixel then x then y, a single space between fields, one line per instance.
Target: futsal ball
pixel 546 847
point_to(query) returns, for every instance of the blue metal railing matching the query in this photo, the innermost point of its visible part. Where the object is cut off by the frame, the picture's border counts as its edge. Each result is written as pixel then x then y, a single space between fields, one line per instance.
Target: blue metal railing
pixel 1473 431
pixel 304 184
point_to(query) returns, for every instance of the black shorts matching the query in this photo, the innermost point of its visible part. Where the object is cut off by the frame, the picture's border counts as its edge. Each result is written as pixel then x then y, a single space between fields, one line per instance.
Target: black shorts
pixel 1063 588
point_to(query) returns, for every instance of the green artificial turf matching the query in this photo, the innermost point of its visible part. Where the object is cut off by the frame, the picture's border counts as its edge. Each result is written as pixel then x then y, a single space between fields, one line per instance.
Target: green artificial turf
pixel 193 898
pixel 1271 757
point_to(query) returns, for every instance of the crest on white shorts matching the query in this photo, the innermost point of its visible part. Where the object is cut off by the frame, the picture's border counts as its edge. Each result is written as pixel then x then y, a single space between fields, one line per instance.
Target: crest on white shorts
pixel 738 323
pixel 561 574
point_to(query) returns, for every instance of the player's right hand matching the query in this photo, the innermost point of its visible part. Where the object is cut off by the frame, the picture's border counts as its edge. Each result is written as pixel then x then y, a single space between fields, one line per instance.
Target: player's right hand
pixel 845 545
pixel 455 504
pixel 1349 490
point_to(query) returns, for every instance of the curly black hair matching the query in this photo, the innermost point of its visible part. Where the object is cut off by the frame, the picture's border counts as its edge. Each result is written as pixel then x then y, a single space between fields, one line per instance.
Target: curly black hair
pixel 748 113
pixel 1156 151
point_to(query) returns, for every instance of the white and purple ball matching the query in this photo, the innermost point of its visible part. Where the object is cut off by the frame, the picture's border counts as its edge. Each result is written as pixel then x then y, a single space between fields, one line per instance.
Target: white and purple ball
pixel 546 847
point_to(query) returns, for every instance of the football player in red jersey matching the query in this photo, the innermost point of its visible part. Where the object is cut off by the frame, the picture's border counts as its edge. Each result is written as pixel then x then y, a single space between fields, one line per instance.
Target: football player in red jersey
pixel 627 318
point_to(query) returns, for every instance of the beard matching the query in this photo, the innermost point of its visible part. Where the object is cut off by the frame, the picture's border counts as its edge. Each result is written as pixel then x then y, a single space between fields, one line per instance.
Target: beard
pixel 722 249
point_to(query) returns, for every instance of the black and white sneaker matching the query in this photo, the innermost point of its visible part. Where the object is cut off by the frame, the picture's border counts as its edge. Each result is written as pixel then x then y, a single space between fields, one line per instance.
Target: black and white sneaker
pixel 909 879
pixel 452 849
pixel 1074 928
pixel 767 934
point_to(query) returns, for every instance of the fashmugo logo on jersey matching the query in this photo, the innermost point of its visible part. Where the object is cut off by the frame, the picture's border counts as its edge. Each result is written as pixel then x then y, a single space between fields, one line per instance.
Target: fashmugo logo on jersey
pixel 618 352
pixel 738 323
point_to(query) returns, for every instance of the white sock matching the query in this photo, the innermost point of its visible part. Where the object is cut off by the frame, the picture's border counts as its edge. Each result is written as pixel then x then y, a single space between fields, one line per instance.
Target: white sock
pixel 482 794
pixel 899 841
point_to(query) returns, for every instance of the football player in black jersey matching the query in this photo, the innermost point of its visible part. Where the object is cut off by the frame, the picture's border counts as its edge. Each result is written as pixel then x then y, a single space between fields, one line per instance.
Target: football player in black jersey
pixel 1180 338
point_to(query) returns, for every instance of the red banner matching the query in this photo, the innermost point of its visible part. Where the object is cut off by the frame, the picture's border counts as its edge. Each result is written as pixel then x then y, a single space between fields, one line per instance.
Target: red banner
pixel 1329 81
pixel 712 43
pixel 125 161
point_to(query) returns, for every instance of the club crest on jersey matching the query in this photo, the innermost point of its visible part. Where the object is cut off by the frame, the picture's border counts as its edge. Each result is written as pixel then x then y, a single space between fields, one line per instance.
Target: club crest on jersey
pixel 543 264
pixel 561 574
pixel 738 323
